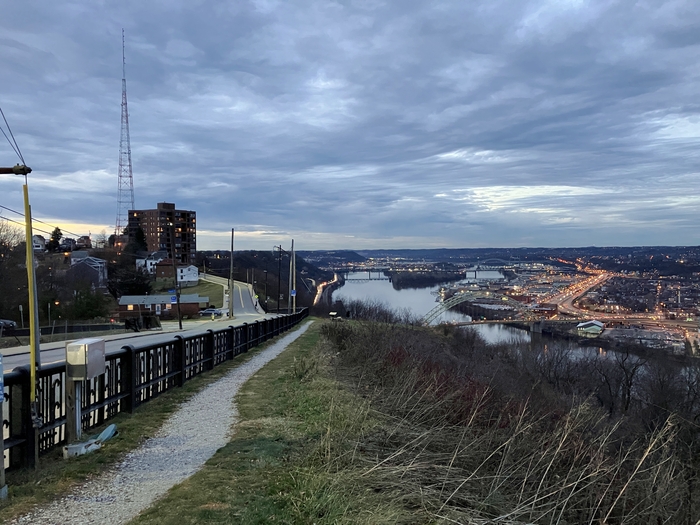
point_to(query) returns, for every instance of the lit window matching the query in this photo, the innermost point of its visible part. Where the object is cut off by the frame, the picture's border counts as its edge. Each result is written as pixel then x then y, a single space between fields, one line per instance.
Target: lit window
pixel 130 307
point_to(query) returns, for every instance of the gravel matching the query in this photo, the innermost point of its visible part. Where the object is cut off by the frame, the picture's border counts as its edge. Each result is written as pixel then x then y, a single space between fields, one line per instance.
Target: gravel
pixel 192 435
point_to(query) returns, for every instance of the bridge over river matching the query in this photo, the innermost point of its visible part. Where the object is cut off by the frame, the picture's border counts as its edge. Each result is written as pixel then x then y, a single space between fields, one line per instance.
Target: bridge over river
pixel 371 276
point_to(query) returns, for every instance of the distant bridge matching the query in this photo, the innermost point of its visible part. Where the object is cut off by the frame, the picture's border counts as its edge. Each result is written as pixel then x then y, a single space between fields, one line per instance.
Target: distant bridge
pixel 472 297
pixel 376 277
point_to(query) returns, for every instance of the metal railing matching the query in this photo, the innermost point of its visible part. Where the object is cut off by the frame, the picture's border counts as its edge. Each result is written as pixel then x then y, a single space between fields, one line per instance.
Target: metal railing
pixel 133 375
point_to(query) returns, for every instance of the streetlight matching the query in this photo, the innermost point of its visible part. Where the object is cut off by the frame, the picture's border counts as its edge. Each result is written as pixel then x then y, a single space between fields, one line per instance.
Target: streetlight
pixel 265 289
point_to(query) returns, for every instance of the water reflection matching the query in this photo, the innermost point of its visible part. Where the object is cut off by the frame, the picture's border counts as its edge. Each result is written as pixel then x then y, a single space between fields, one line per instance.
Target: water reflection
pixel 420 301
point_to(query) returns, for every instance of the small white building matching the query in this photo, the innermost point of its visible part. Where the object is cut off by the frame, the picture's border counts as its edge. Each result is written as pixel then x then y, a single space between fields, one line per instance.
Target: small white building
pixel 188 275
pixel 590 328
pixel 38 243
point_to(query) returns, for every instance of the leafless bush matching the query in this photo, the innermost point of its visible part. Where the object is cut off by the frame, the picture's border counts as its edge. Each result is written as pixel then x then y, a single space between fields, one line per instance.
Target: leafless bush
pixel 506 435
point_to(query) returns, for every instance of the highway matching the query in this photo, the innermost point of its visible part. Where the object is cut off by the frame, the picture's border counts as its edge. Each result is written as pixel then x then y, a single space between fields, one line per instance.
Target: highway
pixel 244 311
pixel 651 320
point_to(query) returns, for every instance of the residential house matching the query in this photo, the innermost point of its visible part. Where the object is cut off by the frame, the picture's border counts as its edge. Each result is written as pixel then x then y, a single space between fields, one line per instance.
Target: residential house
pixel 164 306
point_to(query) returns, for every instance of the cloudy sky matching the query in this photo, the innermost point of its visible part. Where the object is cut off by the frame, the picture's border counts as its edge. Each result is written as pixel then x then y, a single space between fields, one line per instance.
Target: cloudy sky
pixel 363 124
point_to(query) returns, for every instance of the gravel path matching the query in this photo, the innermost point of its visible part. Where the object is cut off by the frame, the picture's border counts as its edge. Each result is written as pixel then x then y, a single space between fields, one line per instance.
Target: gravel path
pixel 192 435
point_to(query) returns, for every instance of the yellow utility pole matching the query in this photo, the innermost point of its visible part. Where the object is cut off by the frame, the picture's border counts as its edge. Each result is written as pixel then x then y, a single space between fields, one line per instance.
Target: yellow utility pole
pixel 35 356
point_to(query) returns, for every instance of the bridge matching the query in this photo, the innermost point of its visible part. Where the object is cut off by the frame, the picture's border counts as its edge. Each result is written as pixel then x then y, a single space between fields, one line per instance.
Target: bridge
pixel 504 300
pixel 377 277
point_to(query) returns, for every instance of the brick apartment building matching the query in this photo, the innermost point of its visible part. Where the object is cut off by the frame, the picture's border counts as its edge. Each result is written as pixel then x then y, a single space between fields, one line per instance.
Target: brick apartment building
pixel 159 226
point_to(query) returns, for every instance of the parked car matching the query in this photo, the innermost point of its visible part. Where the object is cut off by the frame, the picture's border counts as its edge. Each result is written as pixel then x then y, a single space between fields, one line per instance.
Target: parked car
pixel 6 324
pixel 207 312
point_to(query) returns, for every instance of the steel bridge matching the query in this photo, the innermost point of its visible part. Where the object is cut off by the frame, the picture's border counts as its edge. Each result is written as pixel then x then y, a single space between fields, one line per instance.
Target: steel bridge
pixel 463 297
pixel 377 277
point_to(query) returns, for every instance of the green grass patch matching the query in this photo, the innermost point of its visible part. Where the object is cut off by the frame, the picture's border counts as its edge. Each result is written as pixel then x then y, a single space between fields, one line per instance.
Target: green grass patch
pixel 214 291
pixel 292 459
pixel 56 477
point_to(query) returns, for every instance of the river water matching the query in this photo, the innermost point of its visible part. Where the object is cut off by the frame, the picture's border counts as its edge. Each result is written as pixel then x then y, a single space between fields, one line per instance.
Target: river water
pixel 420 301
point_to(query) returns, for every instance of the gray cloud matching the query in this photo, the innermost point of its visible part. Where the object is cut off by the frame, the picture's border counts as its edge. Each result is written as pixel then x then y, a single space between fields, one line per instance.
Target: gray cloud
pixel 365 124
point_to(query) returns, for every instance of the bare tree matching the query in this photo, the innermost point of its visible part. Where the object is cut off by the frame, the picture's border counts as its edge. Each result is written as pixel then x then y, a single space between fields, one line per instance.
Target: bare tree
pixel 101 240
pixel 10 235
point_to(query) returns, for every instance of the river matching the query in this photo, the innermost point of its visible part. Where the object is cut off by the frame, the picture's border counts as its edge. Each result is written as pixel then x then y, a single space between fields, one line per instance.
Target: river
pixel 420 301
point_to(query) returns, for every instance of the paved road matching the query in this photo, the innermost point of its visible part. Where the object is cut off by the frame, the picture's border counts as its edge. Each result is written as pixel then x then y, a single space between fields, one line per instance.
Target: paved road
pixel 245 311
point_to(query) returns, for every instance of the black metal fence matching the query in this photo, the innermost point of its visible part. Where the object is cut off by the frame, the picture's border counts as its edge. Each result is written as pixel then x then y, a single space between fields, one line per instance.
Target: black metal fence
pixel 133 376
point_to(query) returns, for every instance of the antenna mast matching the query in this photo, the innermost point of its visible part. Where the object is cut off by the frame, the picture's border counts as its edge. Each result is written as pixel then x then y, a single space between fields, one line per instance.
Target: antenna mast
pixel 125 195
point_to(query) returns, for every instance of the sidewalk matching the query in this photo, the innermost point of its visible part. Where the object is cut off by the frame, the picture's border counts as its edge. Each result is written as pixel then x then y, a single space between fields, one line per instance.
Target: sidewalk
pixel 189 438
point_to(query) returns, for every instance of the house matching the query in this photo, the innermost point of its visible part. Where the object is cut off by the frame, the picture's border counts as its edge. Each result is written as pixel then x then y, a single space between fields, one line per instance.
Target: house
pixel 164 306
pixel 188 275
pixel 150 262
pixel 89 269
pixel 38 243
pixel 590 328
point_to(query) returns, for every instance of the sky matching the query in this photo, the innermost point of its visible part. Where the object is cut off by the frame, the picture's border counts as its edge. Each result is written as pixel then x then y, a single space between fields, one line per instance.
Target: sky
pixel 363 124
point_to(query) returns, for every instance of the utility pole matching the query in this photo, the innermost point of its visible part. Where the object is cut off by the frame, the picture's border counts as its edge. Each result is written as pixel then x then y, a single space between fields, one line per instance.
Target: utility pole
pixel 279 277
pixel 265 290
pixel 177 281
pixel 34 347
pixel 294 279
pixel 231 282
pixel 291 270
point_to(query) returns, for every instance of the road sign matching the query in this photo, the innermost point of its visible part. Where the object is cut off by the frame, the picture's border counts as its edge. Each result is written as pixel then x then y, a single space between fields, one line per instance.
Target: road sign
pixel 294 293
pixel 171 291
pixel 173 299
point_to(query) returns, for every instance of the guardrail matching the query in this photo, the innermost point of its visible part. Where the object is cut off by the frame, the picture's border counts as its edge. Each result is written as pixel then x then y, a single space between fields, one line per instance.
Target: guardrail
pixel 133 376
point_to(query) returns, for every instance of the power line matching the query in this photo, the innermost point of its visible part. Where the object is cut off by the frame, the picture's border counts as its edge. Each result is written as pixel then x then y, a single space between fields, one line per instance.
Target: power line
pixel 42 222
pixel 23 225
pixel 15 147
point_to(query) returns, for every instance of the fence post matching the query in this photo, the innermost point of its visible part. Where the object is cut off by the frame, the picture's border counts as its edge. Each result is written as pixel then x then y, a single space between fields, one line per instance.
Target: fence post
pixel 181 359
pixel 244 336
pixel 209 351
pixel 130 378
pixel 73 426
pixel 232 341
pixel 256 330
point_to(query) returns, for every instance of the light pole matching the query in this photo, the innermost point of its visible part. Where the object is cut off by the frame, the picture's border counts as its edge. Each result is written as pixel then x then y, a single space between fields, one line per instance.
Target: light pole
pixel 265 289
pixel 279 276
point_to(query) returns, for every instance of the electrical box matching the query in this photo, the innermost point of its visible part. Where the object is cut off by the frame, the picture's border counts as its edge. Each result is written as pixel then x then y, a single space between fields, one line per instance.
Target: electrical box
pixel 85 359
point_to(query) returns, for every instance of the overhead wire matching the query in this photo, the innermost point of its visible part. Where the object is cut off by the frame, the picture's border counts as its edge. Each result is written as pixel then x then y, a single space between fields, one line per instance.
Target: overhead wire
pixel 23 225
pixel 42 222
pixel 16 146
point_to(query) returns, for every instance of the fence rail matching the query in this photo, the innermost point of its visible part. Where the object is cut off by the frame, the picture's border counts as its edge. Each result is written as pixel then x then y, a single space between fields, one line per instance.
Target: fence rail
pixel 133 375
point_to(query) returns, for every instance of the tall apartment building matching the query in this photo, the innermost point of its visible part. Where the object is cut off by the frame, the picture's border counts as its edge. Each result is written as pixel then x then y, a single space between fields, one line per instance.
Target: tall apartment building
pixel 166 225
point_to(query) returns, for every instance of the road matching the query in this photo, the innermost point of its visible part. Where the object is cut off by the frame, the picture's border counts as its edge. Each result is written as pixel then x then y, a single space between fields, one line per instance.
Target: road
pixel 245 311
pixel 565 303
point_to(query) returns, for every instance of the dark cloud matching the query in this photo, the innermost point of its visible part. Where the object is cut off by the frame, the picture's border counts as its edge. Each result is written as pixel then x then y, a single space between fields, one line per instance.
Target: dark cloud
pixel 365 124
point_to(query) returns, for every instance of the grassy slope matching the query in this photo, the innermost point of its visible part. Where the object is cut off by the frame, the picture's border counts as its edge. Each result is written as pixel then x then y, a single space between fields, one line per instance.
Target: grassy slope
pixel 214 291
pixel 291 458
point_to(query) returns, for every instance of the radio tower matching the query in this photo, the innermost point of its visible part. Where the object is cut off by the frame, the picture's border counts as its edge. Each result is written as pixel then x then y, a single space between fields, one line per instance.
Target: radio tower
pixel 125 195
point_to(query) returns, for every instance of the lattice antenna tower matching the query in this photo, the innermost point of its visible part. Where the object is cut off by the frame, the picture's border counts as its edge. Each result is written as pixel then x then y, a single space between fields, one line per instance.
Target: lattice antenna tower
pixel 125 194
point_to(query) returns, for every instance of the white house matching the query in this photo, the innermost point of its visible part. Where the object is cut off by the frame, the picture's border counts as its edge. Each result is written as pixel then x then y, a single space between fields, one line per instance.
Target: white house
pixel 188 275
pixel 38 243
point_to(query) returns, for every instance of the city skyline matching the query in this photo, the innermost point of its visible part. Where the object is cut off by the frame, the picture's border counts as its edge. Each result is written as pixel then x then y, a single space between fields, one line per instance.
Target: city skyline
pixel 364 125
